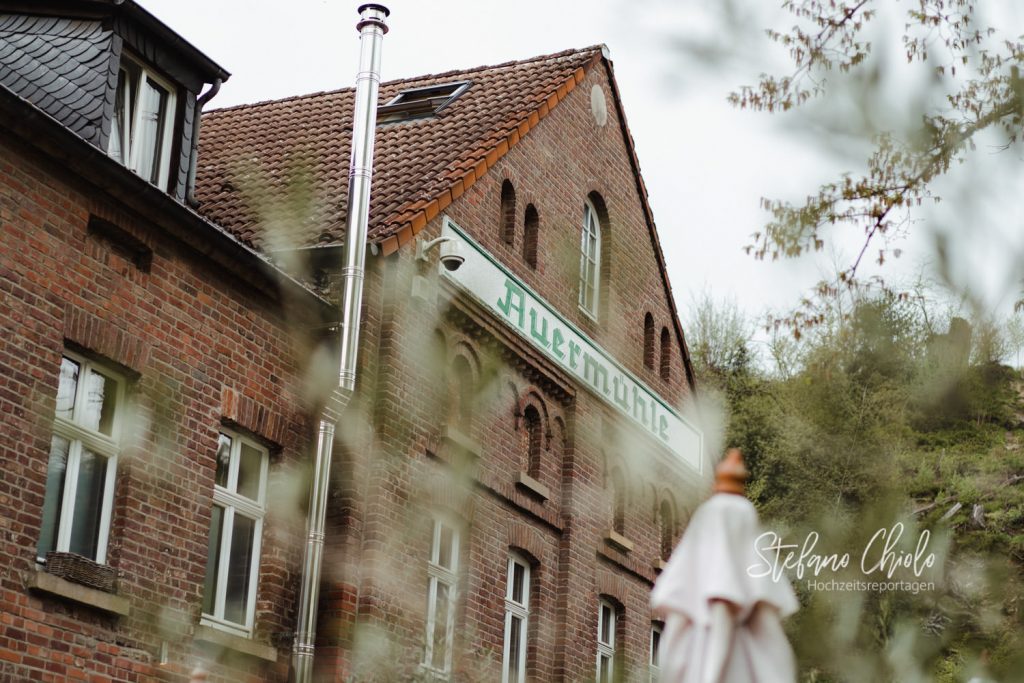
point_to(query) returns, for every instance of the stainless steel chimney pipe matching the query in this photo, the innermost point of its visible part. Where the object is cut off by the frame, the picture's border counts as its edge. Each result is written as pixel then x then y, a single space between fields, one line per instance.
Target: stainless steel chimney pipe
pixel 372 28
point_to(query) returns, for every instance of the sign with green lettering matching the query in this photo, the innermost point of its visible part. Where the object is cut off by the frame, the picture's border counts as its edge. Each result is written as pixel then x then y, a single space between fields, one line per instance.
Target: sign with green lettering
pixel 535 320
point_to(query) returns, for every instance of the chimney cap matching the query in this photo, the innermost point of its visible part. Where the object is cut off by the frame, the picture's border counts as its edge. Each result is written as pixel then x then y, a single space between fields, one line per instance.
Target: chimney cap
pixel 376 6
pixel 366 19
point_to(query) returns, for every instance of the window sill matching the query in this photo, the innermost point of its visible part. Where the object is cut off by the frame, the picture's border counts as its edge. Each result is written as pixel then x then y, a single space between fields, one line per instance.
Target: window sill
pixel 434 675
pixel 532 486
pixel 457 440
pixel 588 315
pixel 229 641
pixel 43 582
pixel 659 565
pixel 617 540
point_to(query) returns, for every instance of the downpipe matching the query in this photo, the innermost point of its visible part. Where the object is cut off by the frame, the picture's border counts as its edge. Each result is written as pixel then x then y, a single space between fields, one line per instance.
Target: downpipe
pixel 372 28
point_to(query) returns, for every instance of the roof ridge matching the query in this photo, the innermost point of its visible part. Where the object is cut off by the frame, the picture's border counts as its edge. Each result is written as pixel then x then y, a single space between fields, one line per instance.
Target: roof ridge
pixel 570 52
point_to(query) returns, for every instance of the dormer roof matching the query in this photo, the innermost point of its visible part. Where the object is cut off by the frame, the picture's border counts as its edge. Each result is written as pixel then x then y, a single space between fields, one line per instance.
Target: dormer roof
pixel 63 57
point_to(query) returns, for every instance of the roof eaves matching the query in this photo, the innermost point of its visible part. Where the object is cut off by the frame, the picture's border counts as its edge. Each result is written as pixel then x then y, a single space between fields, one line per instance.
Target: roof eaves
pixel 403 226
pixel 166 33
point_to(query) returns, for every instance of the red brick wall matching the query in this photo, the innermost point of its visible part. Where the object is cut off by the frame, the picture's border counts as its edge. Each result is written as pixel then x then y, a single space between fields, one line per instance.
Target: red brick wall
pixel 202 350
pixel 406 466
pixel 206 349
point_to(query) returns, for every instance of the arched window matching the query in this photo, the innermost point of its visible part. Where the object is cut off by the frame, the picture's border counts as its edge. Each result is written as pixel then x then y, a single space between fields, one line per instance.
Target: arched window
pixel 590 260
pixel 649 341
pixel 666 350
pixel 534 438
pixel 508 212
pixel 668 531
pixel 531 225
pixel 462 380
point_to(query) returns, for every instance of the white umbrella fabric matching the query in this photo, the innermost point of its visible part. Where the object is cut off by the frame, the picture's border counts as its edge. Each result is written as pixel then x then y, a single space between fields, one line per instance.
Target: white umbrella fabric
pixel 723 625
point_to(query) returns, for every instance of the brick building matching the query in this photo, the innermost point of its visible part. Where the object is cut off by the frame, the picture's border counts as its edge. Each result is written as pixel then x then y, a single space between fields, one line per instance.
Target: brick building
pixel 514 466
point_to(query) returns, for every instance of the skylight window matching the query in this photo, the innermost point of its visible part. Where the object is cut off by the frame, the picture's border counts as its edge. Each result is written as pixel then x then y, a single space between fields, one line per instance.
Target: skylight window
pixel 416 103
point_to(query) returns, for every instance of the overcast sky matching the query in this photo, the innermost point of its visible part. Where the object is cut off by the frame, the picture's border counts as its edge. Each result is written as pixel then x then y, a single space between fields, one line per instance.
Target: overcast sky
pixel 706 165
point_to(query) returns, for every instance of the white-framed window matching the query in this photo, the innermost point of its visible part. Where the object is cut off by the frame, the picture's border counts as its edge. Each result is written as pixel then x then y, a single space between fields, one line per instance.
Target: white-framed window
pixel 236 529
pixel 83 460
pixel 607 621
pixel 517 617
pixel 142 127
pixel 590 260
pixel 655 665
pixel 442 588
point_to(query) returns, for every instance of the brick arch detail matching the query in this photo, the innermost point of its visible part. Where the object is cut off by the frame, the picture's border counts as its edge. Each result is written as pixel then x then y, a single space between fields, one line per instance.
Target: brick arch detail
pixel 526 541
pixel 652 496
pixel 531 396
pixel 461 345
pixel 508 211
pixel 439 493
pixel 611 586
pixel 105 338
pixel 253 415
pixel 508 386
pixel 616 465
pixel 559 429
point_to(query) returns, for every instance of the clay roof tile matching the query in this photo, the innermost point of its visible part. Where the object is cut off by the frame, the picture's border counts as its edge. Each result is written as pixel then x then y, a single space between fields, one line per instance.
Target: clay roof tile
pixel 277 171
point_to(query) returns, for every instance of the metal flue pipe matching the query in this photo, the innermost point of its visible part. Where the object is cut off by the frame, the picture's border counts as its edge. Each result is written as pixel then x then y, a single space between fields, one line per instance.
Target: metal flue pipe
pixel 372 28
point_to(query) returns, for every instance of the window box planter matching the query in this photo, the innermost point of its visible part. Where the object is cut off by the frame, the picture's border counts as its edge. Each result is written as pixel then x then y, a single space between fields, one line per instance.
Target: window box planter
pixel 79 569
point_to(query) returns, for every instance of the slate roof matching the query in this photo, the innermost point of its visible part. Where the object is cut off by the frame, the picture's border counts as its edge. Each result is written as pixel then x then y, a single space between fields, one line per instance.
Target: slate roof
pixel 68 74
pixel 276 173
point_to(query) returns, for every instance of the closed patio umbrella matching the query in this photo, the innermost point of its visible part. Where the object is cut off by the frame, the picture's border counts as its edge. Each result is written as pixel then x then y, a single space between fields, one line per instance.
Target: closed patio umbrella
pixel 723 625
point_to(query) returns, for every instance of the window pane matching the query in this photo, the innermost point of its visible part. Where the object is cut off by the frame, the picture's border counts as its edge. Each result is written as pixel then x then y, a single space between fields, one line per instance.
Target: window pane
pixel 85 526
pixel 655 646
pixel 606 626
pixel 243 536
pixel 149 137
pixel 605 669
pixel 115 147
pixel 223 459
pixel 213 560
pixel 67 388
pixel 444 557
pixel 132 73
pixel 56 469
pixel 515 643
pixel 100 398
pixel 518 576
pixel 250 467
pixel 440 635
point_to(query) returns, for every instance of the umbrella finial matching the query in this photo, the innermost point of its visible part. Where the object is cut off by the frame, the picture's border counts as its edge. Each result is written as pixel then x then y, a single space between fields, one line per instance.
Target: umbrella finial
pixel 731 474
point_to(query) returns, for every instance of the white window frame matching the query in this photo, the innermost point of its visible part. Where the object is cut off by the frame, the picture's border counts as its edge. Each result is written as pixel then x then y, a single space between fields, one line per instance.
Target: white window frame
pixel 590 266
pixel 130 152
pixel 231 501
pixel 521 610
pixel 606 648
pixel 99 443
pixel 439 575
pixel 655 653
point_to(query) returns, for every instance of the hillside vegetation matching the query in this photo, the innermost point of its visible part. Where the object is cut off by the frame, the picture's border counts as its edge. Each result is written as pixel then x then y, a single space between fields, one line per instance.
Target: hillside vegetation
pixel 881 419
